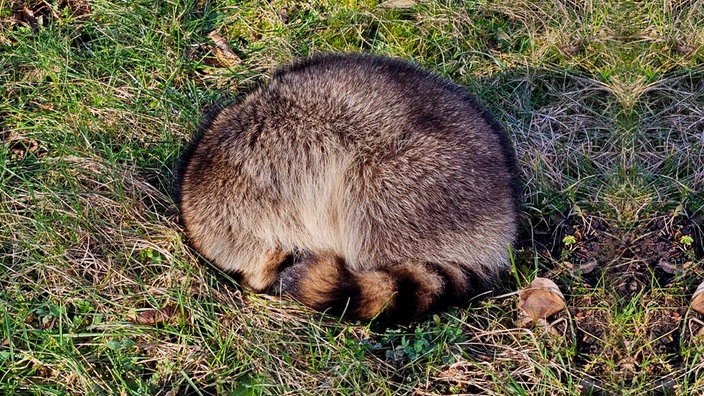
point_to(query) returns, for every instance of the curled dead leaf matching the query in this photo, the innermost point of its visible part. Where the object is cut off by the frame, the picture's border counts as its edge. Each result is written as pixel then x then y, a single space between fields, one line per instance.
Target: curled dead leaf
pixel 170 314
pixel 398 4
pixel 698 299
pixel 225 56
pixel 541 299
pixel 26 17
pixel 667 267
pixel 589 266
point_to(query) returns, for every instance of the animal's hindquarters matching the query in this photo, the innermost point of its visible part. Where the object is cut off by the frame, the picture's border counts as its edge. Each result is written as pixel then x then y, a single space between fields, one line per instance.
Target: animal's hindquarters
pixel 394 186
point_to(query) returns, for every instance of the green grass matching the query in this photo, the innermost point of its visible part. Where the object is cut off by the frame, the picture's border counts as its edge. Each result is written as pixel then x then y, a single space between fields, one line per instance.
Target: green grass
pixel 604 101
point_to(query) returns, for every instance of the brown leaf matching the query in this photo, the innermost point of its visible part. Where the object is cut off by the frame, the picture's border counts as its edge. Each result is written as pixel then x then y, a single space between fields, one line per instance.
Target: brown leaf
pixel 283 13
pixel 540 300
pixel 80 8
pixel 20 148
pixel 698 299
pixel 172 392
pixel 222 51
pixel 398 4
pixel 155 317
pixel 25 16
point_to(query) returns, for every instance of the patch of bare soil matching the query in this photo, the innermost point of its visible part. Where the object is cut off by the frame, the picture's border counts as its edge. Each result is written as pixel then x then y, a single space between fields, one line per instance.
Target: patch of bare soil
pixel 630 296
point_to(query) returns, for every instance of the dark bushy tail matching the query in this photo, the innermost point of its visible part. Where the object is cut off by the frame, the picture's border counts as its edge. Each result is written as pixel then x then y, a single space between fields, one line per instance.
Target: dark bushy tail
pixel 397 293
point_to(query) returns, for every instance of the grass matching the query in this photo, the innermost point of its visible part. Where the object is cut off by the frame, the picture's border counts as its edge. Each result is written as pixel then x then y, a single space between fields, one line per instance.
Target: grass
pixel 101 294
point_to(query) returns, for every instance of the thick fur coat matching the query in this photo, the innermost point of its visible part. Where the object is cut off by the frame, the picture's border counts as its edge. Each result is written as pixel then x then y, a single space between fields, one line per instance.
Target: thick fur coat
pixel 355 184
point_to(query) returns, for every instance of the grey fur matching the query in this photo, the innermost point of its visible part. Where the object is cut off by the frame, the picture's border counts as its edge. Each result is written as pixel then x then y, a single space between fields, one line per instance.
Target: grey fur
pixel 364 158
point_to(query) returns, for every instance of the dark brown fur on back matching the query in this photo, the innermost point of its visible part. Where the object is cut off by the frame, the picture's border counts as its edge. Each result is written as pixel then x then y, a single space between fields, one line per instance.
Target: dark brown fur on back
pixel 390 189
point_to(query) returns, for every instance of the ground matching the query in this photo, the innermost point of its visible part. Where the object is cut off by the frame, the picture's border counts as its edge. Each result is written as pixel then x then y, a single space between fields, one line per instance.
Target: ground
pixel 101 293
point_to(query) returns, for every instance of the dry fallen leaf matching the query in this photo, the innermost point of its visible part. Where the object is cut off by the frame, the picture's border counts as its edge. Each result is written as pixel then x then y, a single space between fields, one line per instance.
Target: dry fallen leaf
pixel 698 299
pixel 155 317
pixel 539 301
pixel 26 17
pixel 398 4
pixel 222 51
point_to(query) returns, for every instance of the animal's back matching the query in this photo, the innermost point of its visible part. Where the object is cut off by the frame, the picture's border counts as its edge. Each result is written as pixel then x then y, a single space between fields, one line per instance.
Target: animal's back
pixel 389 188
